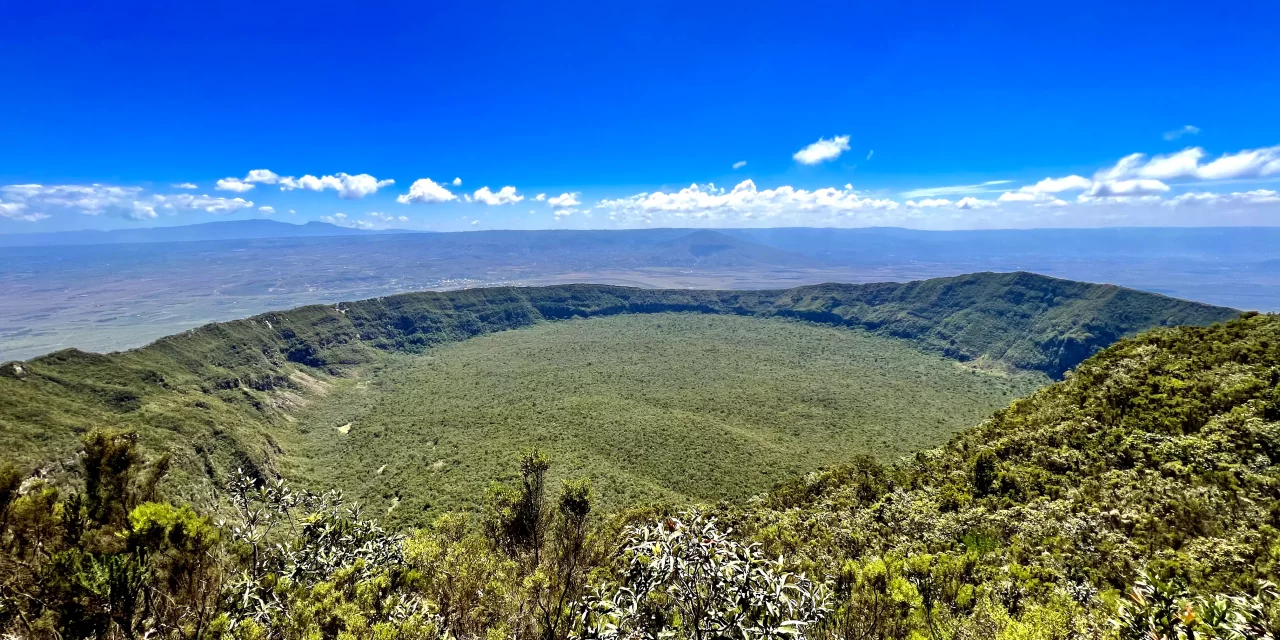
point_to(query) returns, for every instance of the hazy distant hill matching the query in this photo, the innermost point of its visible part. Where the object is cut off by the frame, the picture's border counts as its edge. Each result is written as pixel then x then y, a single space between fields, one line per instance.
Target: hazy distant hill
pixel 123 294
pixel 889 244
pixel 222 230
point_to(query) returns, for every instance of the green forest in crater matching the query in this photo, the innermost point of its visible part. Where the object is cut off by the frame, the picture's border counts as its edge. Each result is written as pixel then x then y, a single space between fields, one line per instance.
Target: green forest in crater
pixel 229 396
pixel 1134 498
pixel 655 407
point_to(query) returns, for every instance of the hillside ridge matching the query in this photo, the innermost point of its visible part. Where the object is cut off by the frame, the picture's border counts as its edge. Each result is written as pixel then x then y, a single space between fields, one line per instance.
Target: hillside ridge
pixel 222 385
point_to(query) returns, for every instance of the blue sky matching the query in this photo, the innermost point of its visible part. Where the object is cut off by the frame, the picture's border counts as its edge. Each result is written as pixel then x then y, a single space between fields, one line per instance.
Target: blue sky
pixel 623 108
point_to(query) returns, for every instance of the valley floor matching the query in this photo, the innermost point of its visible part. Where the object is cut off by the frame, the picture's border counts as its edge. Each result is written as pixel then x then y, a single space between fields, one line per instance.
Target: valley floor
pixel 676 407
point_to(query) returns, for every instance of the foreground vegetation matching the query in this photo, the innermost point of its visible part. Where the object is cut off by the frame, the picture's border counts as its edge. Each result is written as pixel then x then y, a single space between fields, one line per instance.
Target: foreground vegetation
pixel 675 407
pixel 224 396
pixel 1137 498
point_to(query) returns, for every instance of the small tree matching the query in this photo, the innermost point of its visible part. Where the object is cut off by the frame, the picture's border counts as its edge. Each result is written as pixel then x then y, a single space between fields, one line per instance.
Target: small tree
pixel 515 520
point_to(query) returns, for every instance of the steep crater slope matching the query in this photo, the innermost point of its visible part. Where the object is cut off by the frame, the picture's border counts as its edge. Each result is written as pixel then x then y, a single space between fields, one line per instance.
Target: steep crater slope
pixel 1157 455
pixel 226 394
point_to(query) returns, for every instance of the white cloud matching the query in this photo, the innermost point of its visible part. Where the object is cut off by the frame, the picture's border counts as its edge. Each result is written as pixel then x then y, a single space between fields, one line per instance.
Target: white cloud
pixel 1186 164
pixel 266 211
pixel 184 185
pixel 457 182
pixel 1185 130
pixel 339 219
pixel 823 150
pixel 506 195
pixel 427 191
pixel 475 222
pixel 871 153
pixel 187 202
pixel 403 218
pixel 1058 185
pixel 971 202
pixel 564 213
pixel 565 200
pixel 1257 196
pixel 739 164
pixel 1021 196
pixel 143 210
pixel 265 176
pixel 1125 188
pixel 989 186
pixel 746 204
pixel 929 203
pixel 18 211
pixel 92 199
pixel 349 187
pixel 233 184
pixel 540 197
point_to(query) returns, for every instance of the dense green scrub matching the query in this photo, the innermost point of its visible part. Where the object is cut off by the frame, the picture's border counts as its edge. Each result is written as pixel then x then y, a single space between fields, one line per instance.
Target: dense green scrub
pixel 1137 499
pixel 682 407
pixel 224 396
pixel 1158 454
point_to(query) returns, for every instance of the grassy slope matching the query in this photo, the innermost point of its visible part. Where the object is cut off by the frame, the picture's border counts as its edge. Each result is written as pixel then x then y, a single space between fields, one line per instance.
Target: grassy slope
pixel 221 390
pixel 1159 453
pixel 666 406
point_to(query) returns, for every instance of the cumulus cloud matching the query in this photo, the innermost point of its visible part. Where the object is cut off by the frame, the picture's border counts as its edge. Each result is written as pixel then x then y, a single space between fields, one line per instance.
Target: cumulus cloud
pixel 92 199
pixel 990 186
pixel 1257 196
pixel 265 176
pixel 971 203
pixel 97 199
pixel 565 200
pixel 266 211
pixel 823 150
pixel 233 184
pixel 184 185
pixel 18 211
pixel 457 182
pixel 747 204
pixel 373 220
pixel 349 187
pixel 739 164
pixel 1058 185
pixel 1125 188
pixel 929 203
pixel 1185 130
pixel 187 202
pixel 505 195
pixel 425 190
pixel 1187 164
pixel 540 197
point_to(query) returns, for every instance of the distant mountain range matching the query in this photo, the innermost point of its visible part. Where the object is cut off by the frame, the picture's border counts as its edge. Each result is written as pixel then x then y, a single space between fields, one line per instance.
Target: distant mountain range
pixel 222 230
pixel 778 246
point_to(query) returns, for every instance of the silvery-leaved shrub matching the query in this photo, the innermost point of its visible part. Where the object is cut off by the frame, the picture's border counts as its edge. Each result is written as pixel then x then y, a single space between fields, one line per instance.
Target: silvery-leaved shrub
pixel 685 578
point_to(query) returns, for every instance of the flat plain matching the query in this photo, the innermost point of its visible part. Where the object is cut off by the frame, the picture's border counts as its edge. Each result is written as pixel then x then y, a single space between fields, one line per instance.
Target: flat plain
pixel 107 297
